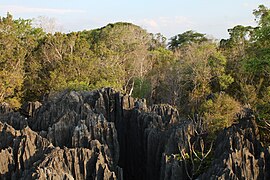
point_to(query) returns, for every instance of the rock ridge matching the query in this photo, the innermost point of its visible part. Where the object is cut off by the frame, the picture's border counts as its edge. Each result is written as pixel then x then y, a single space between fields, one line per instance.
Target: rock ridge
pixel 104 134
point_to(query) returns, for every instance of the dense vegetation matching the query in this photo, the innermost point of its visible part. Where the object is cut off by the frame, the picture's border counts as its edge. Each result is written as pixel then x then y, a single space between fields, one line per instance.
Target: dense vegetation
pixel 197 75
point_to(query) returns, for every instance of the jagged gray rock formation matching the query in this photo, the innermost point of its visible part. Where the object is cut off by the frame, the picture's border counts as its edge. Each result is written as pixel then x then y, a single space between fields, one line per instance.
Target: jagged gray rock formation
pixel 74 163
pixel 15 119
pixel 20 149
pixel 149 137
pixel 239 153
pixel 76 123
pixel 103 134
pixel 26 155
pixel 30 108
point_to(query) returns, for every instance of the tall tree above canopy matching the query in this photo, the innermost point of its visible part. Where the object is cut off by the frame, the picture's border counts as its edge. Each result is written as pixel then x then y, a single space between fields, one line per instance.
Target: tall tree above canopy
pixel 239 37
pixel 262 15
pixel 258 62
pixel 247 51
pixel 235 49
pixel 186 38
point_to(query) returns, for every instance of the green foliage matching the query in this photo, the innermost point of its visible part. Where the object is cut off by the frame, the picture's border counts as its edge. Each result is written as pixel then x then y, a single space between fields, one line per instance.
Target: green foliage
pixel 202 71
pixel 186 38
pixel 17 40
pixel 263 105
pixel 142 88
pixel 239 38
pixel 205 164
pixel 184 78
pixel 257 63
pixel 162 76
pixel 220 112
pixel 262 15
pixel 157 41
pixel 122 46
pixel 262 110
pixel 247 51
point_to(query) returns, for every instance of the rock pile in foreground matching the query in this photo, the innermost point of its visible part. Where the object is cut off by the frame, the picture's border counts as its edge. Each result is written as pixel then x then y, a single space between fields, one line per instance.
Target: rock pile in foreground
pixel 106 135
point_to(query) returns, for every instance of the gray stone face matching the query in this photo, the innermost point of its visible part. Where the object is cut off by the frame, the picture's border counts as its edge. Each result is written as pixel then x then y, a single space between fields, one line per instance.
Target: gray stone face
pixel 103 134
pixel 239 154
pixel 67 137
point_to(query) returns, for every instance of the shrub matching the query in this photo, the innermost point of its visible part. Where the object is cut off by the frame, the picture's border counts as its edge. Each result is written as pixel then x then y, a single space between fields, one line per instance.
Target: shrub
pixel 220 112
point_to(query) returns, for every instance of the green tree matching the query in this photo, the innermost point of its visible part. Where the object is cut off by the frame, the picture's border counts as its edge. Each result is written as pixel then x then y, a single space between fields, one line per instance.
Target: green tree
pixel 162 61
pixel 220 112
pixel 45 59
pixel 62 61
pixel 17 40
pixel 235 50
pixel 247 51
pixel 257 64
pixel 186 38
pixel 202 72
pixel 157 41
pixel 124 46
pixel 76 70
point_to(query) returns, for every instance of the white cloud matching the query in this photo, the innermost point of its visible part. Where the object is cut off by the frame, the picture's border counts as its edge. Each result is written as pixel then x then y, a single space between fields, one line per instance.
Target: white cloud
pixel 177 20
pixel 166 25
pixel 149 23
pixel 24 9
pixel 163 22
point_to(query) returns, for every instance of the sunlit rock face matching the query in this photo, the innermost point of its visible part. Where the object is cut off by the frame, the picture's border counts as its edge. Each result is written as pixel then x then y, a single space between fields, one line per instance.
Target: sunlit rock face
pixel 104 134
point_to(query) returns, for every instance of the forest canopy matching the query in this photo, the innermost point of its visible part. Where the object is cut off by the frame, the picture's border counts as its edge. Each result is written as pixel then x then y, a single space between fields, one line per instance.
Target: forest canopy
pixel 195 74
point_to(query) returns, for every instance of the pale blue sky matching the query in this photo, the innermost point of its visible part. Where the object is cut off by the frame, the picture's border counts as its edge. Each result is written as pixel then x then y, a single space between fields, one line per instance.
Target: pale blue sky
pixel 169 17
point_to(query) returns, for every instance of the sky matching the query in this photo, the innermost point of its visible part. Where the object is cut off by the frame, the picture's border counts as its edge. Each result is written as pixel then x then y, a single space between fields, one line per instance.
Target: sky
pixel 168 17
